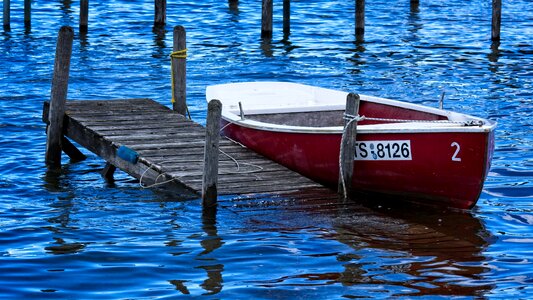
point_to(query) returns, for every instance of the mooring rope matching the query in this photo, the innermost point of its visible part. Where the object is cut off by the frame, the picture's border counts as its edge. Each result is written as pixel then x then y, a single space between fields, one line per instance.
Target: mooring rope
pixel 465 123
pixel 258 168
pixel 350 119
pixel 151 167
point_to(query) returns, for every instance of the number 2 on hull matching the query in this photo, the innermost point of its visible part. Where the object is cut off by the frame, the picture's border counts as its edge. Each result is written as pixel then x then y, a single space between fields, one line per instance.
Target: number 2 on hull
pixel 457 149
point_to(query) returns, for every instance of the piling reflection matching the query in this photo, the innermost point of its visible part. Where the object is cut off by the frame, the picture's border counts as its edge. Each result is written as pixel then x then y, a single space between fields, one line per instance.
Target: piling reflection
pixel 213 283
pixel 494 54
pixel 61 221
pixel 159 32
pixel 266 47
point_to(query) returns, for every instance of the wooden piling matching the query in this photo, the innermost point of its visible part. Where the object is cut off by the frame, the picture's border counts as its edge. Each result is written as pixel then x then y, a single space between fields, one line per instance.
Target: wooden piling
pixel 210 174
pixel 58 97
pixel 27 13
pixel 233 4
pixel 359 19
pixel 108 171
pixel 7 15
pixel 160 12
pixel 286 17
pixel 266 19
pixel 84 16
pixel 179 71
pixel 496 19
pixel 348 146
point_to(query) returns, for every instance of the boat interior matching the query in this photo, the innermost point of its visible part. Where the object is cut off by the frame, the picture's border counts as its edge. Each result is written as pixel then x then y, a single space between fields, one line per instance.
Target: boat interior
pixel 330 118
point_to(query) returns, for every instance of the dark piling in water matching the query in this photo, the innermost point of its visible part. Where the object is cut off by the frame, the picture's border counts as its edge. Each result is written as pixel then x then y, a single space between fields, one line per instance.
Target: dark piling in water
pixel 58 97
pixel 233 4
pixel 84 16
pixel 179 71
pixel 415 5
pixel 210 175
pixel 266 19
pixel 347 153
pixel 359 19
pixel 27 14
pixel 286 17
pixel 6 17
pixel 496 19
pixel 160 12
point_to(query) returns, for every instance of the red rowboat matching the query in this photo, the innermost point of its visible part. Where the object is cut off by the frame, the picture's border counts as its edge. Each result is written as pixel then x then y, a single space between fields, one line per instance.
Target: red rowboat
pixel 403 149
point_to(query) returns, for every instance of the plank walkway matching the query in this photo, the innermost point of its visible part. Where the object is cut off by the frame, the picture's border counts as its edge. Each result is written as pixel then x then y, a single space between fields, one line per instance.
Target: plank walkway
pixel 170 148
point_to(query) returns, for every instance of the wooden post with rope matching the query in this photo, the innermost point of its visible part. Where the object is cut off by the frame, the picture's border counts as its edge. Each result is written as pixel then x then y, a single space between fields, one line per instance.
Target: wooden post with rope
pixel 160 12
pixel 179 71
pixel 359 19
pixel 84 16
pixel 266 19
pixel 347 153
pixel 210 175
pixel 496 19
pixel 7 15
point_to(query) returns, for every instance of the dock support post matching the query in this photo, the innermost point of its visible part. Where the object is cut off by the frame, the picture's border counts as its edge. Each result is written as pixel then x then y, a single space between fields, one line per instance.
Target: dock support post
pixel 179 71
pixel 84 16
pixel 286 17
pixel 27 14
pixel 210 176
pixel 496 19
pixel 160 12
pixel 7 15
pixel 359 19
pixel 108 171
pixel 58 97
pixel 266 19
pixel 347 152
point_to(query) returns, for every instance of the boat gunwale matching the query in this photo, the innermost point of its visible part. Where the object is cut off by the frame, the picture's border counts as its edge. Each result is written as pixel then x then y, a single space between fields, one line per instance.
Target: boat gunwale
pixel 230 114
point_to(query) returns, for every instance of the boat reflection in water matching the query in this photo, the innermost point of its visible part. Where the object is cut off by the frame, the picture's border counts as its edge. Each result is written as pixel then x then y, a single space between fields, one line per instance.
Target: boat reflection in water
pixel 416 250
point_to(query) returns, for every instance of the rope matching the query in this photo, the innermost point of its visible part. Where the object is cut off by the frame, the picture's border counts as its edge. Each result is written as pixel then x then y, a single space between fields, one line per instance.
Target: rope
pixel 155 182
pixel 180 54
pixel 258 168
pixel 465 123
pixel 343 181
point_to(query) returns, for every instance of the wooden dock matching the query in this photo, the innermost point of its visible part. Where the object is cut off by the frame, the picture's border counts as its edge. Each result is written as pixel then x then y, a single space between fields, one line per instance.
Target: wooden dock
pixel 169 149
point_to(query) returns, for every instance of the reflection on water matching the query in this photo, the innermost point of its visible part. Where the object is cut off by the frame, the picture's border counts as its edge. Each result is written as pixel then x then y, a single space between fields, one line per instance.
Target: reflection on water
pixel 427 252
pixel 73 235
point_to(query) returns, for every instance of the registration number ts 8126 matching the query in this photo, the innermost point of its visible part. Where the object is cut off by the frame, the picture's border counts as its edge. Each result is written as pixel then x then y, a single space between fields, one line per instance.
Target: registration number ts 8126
pixel 383 150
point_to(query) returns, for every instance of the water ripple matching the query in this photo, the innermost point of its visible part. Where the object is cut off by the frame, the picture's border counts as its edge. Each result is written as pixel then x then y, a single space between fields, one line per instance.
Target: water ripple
pixel 72 235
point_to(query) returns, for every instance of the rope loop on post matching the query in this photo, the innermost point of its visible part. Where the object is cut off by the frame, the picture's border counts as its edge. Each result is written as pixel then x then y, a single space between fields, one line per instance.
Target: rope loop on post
pixel 180 54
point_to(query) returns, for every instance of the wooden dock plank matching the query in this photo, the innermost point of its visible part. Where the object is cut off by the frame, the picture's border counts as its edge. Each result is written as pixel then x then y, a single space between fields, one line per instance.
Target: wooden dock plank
pixel 170 148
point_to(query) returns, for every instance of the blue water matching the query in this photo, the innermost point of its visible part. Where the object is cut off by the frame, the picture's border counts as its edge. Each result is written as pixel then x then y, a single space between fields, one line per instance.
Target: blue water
pixel 72 235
